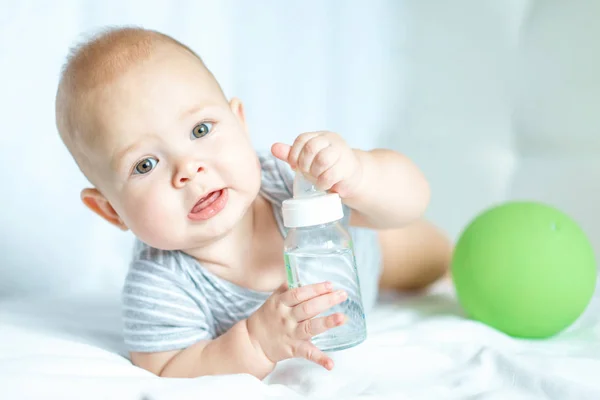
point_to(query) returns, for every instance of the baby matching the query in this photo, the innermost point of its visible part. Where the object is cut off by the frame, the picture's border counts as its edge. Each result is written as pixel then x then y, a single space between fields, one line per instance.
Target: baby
pixel 170 158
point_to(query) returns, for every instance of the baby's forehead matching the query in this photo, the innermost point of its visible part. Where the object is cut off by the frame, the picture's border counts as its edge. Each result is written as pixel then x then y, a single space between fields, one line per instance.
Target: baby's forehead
pixel 92 70
pixel 110 57
pixel 132 99
pixel 113 92
pixel 114 114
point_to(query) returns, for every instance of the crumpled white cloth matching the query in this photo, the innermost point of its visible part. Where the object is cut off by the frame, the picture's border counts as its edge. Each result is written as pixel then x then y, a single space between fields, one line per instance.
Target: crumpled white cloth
pixel 419 347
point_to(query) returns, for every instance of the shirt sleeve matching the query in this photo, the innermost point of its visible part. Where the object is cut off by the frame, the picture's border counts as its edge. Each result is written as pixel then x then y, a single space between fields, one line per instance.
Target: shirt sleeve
pixel 159 311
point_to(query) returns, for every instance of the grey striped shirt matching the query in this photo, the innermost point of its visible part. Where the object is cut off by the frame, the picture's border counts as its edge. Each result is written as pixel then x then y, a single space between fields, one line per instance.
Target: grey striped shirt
pixel 171 302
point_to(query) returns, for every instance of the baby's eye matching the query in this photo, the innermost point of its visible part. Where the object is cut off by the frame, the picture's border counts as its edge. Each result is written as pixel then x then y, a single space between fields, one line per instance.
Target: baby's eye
pixel 145 166
pixel 201 130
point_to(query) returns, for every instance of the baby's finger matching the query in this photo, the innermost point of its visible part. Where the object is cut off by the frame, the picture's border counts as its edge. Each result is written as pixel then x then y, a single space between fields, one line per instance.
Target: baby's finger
pixel 309 351
pixel 330 177
pixel 281 151
pixel 313 327
pixel 324 160
pixel 309 152
pixel 298 295
pixel 315 306
pixel 297 147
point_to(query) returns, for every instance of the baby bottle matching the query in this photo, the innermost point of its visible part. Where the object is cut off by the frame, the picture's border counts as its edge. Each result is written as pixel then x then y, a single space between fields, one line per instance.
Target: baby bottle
pixel 317 249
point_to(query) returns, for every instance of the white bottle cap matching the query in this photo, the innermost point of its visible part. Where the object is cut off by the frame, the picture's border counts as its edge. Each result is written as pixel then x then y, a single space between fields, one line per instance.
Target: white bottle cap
pixel 310 207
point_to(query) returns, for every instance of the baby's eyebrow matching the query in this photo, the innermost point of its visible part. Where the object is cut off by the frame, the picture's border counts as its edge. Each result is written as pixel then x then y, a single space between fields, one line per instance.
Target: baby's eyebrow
pixel 120 156
pixel 197 109
pixel 192 111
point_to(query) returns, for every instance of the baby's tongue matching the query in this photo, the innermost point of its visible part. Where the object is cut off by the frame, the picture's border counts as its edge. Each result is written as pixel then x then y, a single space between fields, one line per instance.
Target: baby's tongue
pixel 205 202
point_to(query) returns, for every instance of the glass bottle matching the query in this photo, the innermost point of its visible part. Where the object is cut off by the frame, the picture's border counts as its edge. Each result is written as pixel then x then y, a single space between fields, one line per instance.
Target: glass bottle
pixel 318 248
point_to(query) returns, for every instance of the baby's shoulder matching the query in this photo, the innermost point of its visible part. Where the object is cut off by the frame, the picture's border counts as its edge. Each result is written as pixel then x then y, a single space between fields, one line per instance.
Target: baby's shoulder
pixel 277 178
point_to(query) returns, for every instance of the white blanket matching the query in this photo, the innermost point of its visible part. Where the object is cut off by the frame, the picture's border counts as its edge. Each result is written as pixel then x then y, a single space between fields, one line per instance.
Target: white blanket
pixel 419 347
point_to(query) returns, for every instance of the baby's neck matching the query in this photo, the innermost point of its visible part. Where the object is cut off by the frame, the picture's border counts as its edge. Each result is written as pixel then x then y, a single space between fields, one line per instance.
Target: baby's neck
pixel 248 251
pixel 228 250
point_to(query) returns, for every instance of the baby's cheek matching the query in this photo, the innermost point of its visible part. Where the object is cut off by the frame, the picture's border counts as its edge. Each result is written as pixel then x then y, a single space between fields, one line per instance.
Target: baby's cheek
pixel 153 217
pixel 240 167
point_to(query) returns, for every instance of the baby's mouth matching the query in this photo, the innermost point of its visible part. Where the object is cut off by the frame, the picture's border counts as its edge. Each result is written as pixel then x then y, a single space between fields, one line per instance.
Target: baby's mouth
pixel 209 205
pixel 206 201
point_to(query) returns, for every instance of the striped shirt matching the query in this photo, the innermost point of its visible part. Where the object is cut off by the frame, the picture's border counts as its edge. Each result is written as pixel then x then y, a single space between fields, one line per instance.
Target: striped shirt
pixel 171 302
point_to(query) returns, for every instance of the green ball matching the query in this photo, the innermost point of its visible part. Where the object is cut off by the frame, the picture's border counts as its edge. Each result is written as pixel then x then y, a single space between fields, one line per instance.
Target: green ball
pixel 524 268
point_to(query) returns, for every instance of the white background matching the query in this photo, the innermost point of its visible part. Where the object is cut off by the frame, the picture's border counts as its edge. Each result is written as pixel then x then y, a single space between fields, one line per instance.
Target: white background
pixel 493 99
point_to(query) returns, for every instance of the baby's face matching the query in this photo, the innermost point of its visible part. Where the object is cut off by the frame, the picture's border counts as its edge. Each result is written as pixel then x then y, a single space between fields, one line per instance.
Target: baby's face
pixel 171 154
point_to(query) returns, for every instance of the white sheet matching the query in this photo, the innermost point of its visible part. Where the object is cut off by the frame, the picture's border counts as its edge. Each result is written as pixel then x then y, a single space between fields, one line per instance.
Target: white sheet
pixel 419 347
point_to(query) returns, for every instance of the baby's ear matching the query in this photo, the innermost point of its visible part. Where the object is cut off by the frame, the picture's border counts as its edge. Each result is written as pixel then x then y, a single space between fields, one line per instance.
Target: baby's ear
pixel 95 201
pixel 238 110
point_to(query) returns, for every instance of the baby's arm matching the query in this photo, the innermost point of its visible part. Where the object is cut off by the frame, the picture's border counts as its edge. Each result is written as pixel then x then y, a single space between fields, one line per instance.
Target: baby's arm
pixel 391 193
pixel 280 329
pixel 384 187
pixel 231 353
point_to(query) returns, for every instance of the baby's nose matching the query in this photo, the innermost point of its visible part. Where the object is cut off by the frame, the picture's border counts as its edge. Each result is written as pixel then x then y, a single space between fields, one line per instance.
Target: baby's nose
pixel 186 172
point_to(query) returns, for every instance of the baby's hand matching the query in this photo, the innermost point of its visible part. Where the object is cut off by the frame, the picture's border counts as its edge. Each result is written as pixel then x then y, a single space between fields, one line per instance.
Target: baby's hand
pixel 325 159
pixel 283 326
